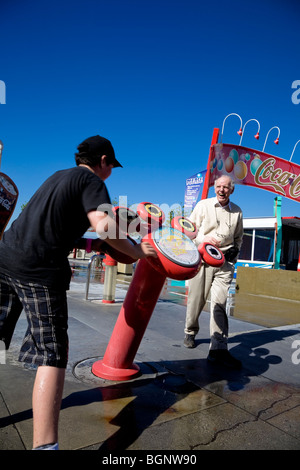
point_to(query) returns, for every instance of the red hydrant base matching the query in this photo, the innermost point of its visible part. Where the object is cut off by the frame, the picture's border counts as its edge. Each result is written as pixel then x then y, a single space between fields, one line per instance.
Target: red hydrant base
pixel 113 373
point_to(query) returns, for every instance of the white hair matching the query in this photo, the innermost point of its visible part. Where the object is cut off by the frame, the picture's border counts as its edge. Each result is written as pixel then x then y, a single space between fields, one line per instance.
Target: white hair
pixel 231 182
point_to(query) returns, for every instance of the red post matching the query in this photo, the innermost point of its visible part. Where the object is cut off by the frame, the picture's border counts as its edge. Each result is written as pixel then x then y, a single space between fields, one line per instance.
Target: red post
pixel 137 309
pixel 214 140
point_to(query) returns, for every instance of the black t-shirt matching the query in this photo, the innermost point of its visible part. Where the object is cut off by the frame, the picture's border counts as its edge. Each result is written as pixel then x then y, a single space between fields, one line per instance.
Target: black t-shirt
pixel 36 246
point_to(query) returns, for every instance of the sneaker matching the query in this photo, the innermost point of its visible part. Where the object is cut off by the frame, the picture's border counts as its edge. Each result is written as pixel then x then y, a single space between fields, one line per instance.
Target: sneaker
pixel 189 341
pixel 224 358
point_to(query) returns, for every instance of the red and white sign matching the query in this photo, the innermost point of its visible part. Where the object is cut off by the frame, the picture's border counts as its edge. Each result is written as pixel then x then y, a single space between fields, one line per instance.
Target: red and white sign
pixel 254 168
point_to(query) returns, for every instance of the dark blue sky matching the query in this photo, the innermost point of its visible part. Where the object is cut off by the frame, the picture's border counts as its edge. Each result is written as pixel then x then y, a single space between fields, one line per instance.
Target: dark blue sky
pixel 155 77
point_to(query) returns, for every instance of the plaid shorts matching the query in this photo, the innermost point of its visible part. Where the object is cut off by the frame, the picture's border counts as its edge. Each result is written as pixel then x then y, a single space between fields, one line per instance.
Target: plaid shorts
pixel 46 339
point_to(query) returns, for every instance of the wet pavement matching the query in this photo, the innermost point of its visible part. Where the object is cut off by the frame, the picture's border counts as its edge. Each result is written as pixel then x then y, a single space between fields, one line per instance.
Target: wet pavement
pixel 180 402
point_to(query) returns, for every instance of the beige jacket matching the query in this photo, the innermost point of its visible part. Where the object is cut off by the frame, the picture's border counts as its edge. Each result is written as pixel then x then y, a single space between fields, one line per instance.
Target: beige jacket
pixel 224 224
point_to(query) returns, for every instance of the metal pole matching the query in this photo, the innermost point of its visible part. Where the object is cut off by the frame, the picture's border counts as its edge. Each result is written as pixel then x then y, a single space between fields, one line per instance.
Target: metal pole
pixel 94 257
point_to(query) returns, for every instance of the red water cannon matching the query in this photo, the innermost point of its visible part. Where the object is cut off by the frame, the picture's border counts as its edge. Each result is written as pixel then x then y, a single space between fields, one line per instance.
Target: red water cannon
pixel 127 220
pixel 151 216
pixel 211 255
pixel 184 225
pixel 177 258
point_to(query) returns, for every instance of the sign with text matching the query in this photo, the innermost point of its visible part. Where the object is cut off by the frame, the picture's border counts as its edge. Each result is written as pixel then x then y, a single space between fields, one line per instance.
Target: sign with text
pixel 193 185
pixel 254 168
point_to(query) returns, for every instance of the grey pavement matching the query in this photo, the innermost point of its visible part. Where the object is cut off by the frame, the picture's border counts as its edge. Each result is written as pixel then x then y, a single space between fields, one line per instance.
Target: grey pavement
pixel 180 402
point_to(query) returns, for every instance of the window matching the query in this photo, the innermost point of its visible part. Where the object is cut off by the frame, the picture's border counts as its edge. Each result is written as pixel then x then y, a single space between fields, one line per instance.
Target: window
pixel 263 247
pixel 246 249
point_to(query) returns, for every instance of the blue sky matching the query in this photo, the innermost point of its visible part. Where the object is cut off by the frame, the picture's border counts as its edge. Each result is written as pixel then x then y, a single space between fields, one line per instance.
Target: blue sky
pixel 155 77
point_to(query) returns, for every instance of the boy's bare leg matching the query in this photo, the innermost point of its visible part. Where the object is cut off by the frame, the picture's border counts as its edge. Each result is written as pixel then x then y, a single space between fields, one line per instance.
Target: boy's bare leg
pixel 46 403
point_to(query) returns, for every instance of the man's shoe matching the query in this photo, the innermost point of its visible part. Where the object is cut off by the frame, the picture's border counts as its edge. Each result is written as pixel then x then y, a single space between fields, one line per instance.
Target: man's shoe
pixel 224 358
pixel 189 341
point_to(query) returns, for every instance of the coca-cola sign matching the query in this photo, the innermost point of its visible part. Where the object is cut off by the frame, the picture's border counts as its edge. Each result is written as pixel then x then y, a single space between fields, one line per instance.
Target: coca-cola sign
pixel 254 168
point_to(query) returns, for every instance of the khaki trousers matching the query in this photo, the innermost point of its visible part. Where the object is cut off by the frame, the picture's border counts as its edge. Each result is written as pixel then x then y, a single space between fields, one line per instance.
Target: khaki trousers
pixel 216 280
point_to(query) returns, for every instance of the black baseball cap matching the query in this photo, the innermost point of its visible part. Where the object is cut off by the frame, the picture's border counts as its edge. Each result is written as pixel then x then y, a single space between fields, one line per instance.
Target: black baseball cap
pixel 98 145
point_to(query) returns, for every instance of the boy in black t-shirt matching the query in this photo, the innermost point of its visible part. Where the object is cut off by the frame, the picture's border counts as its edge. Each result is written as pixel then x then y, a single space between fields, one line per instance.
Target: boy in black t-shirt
pixel 35 273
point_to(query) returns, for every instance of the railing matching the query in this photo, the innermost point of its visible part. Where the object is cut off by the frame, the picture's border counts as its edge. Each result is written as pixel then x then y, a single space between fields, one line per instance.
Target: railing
pixel 88 276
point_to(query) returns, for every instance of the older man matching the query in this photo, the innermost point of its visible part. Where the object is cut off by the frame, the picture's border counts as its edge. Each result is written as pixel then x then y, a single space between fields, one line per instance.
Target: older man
pixel 220 222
